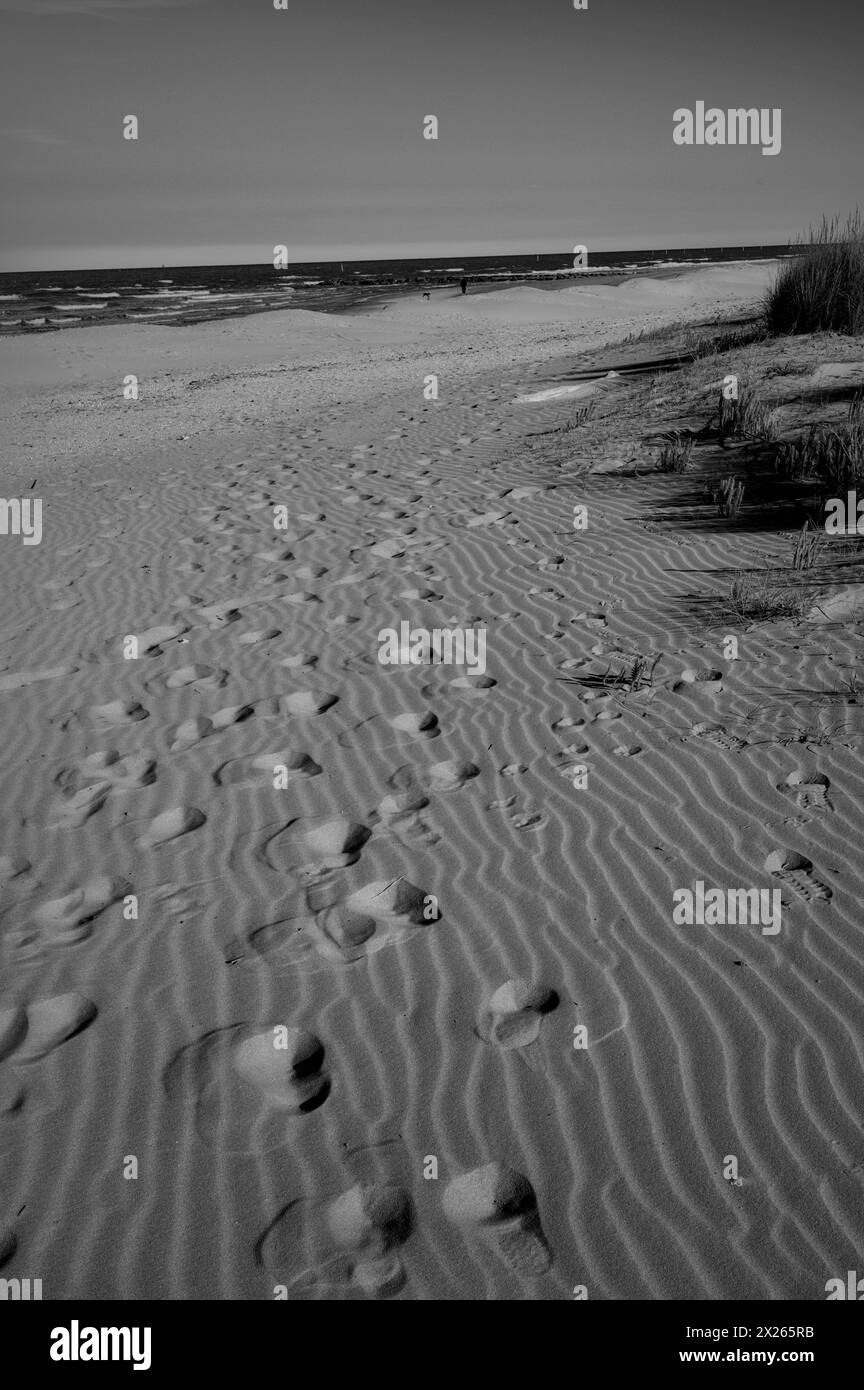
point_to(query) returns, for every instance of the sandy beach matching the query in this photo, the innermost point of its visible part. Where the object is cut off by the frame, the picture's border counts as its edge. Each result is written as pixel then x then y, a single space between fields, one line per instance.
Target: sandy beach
pixel 500 1069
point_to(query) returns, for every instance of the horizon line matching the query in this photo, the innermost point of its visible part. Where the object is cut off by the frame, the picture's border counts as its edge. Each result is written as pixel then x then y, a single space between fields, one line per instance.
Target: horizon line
pixel 358 260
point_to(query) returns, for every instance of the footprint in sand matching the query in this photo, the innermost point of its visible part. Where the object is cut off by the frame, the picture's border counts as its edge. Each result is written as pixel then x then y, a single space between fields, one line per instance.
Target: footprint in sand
pixel 66 921
pixel 513 1015
pixel 810 790
pixel 151 641
pixel 476 685
pixel 418 593
pixel 192 731
pixel 118 712
pixel 706 678
pixel 554 594
pixel 595 619
pixel 451 774
pixel 79 806
pixel 568 722
pixel 400 809
pixel 300 596
pixel 263 769
pixel 519 494
pixel 357 1247
pixel 113 773
pixel 170 825
pixel 53 1021
pixel 342 934
pixel 501 1204
pixel 279 555
pixel 528 820
pixel 417 724
pixel 409 794
pixel 309 849
pixel 299 659
pixel 383 913
pixel 716 734
pixel 285 1066
pixel 245 1085
pixel 218 615
pixel 17 680
pixel 794 870
pixel 395 902
pixel 569 759
pixel 391 549
pixel 550 564
pixel 13 1026
pixel 123 771
pixel 490 518
pixel 305 703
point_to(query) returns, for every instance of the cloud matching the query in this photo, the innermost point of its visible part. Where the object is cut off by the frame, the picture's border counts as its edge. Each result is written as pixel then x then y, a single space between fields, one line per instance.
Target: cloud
pixel 87 7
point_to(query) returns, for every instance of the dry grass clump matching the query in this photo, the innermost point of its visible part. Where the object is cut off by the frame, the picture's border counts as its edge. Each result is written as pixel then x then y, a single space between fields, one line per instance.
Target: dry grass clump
pixel 758 598
pixel 676 456
pixel 823 288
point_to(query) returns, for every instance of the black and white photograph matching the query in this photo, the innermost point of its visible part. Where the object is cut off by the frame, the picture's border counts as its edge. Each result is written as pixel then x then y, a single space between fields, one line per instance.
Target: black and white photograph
pixel 431 670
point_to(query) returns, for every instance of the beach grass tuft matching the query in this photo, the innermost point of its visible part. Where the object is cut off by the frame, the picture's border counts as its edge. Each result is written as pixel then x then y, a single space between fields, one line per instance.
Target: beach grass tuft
pixel 823 288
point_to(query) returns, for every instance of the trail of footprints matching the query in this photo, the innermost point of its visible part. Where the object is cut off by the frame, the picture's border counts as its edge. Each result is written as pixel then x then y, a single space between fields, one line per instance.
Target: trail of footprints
pixel 368 1224
pixel 281 1071
pixel 361 1233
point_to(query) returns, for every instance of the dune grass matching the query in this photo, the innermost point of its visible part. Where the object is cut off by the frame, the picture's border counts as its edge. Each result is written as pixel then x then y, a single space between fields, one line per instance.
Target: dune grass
pixel 822 288
pixel 759 598
pixel 676 456
pixel 833 454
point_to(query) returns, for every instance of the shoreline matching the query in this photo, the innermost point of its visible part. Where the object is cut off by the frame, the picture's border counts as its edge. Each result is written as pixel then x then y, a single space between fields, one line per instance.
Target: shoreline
pixel 364 293
pixel 65 392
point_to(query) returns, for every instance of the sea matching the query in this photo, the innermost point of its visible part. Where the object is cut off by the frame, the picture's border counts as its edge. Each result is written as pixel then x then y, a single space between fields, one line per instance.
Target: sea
pixel 48 301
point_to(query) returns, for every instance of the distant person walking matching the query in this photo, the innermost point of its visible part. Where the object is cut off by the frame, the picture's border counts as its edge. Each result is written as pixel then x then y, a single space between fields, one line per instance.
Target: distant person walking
pixel 464 285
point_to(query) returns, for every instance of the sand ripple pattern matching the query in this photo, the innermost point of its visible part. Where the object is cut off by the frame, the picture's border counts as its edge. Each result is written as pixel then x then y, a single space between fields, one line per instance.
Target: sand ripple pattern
pixel 260 655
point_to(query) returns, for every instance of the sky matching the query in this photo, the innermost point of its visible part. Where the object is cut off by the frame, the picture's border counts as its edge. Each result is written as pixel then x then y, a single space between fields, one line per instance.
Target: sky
pixel 303 127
